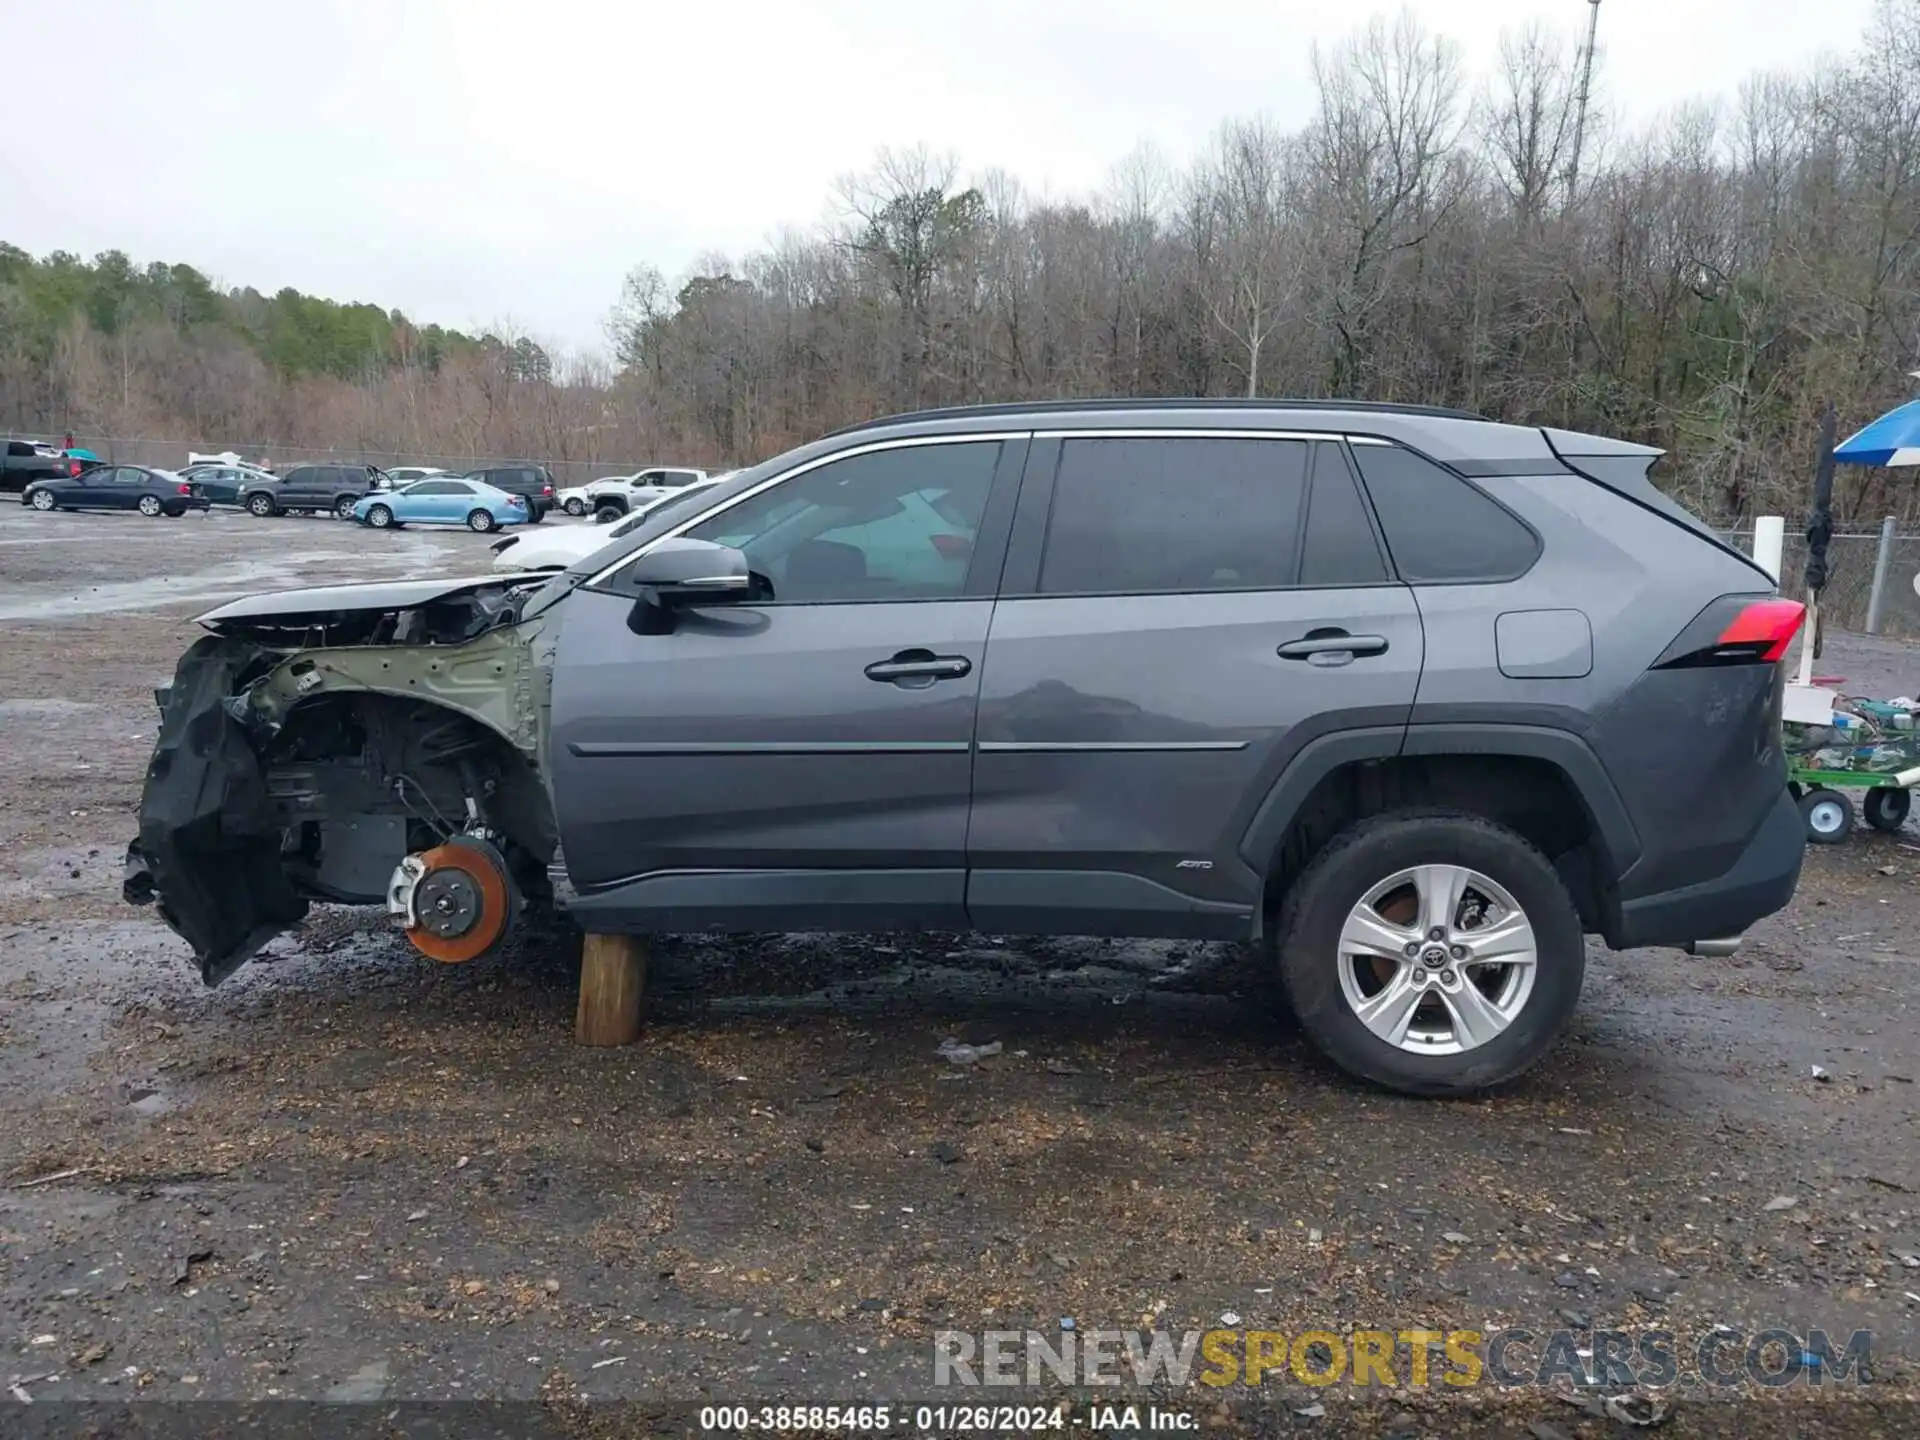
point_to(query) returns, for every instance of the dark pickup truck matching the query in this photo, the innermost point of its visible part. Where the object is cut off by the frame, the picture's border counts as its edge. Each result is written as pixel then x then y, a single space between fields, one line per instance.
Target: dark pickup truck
pixel 26 462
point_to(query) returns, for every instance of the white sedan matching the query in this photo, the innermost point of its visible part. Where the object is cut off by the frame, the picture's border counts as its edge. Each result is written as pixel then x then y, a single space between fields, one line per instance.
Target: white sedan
pixel 558 547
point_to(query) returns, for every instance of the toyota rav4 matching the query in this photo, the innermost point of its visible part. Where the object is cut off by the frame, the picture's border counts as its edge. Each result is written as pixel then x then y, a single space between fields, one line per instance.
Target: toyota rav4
pixel 1410 699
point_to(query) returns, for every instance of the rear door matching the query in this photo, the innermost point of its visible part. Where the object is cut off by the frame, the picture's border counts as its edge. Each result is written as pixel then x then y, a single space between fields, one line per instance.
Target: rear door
pixel 454 500
pixel 1181 613
pixel 428 501
pixel 805 761
pixel 124 490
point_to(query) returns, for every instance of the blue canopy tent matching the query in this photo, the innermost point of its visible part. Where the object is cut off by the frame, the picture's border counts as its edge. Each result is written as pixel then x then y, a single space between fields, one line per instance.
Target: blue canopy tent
pixel 1893 439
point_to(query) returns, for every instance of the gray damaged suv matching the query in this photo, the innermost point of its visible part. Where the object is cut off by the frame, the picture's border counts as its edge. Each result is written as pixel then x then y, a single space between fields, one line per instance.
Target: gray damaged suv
pixel 1408 698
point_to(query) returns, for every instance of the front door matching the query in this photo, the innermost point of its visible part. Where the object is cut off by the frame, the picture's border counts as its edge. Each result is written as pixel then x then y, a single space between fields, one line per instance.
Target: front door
pixel 1181 614
pixel 804 762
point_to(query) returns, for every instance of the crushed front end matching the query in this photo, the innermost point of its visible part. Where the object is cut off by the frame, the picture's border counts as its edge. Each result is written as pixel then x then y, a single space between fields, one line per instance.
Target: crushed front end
pixel 316 740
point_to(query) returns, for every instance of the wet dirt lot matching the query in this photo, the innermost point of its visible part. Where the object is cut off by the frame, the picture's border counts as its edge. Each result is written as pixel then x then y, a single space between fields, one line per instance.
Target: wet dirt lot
pixel 348 1174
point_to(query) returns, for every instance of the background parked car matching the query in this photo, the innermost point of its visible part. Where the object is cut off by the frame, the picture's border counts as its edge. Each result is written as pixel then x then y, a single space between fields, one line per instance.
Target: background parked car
pixel 556 549
pixel 312 489
pixel 575 498
pixel 618 496
pixel 117 487
pixel 407 474
pixel 224 484
pixel 446 500
pixel 533 483
pixel 26 462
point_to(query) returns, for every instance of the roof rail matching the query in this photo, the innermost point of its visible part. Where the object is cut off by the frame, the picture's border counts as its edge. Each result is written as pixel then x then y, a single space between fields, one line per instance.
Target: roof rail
pixel 1153 402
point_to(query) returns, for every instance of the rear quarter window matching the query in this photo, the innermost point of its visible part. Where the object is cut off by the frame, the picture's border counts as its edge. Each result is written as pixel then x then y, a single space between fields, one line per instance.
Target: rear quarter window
pixel 1438 527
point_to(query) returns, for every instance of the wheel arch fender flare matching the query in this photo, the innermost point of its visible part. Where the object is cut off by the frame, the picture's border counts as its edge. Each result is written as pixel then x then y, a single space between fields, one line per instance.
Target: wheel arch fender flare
pixel 1565 751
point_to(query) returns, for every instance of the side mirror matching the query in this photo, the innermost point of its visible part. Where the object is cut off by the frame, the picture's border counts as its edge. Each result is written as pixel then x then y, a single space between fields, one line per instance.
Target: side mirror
pixel 681 573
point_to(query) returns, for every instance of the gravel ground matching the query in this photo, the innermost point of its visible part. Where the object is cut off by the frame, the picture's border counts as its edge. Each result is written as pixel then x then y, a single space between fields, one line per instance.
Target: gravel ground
pixel 349 1174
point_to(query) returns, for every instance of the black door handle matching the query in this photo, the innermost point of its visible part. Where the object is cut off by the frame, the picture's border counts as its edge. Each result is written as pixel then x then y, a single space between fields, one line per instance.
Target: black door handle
pixel 919 667
pixel 1331 643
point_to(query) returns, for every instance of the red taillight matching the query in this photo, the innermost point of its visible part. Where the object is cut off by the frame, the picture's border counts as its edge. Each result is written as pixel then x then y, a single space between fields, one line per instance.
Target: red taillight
pixel 1736 630
pixel 186 489
pixel 546 489
pixel 953 547
pixel 1764 628
pixel 73 469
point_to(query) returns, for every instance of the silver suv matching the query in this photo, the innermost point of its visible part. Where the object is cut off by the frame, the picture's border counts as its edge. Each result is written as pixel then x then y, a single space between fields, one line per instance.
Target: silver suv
pixel 1406 697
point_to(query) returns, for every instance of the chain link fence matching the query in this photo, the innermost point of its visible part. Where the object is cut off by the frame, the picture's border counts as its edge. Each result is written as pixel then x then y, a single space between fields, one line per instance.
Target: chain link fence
pixel 1851 557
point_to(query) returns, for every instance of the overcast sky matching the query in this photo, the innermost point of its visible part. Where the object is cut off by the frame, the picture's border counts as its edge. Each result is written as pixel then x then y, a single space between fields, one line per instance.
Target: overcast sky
pixel 480 161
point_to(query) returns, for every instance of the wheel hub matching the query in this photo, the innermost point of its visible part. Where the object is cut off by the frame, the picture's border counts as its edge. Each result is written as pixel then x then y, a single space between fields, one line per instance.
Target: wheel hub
pixel 456 901
pixel 1437 959
pixel 447 903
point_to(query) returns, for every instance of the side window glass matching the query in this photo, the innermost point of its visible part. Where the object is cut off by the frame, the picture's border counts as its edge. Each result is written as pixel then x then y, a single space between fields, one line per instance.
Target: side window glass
pixel 1340 547
pixel 1437 525
pixel 1145 515
pixel 888 525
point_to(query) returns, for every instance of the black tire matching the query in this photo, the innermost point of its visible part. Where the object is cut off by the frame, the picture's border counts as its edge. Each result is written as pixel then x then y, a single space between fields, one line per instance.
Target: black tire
pixel 1828 815
pixel 535 513
pixel 343 506
pixel 1887 807
pixel 380 517
pixel 151 506
pixel 1315 910
pixel 174 512
pixel 576 508
pixel 43 501
pixel 482 521
pixel 261 504
pixel 607 514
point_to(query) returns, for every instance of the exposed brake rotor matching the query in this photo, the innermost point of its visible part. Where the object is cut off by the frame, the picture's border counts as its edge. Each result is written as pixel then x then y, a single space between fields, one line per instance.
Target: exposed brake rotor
pixel 457 901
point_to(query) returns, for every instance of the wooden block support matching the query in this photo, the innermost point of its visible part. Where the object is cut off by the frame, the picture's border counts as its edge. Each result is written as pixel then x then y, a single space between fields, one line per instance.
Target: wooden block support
pixel 613 977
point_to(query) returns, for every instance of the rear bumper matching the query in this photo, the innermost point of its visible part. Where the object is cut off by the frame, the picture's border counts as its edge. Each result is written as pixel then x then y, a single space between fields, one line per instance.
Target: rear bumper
pixel 1760 882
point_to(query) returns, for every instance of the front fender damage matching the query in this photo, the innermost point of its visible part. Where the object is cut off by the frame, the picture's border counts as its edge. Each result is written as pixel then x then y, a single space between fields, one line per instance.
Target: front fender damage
pixel 268 756
pixel 208 849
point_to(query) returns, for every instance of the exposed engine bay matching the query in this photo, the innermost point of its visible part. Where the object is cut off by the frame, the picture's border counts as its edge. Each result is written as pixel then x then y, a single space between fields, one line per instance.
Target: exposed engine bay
pixel 361 744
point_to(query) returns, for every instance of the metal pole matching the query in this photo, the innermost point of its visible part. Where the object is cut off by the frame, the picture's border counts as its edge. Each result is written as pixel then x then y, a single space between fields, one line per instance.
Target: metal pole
pixel 1580 103
pixel 1881 560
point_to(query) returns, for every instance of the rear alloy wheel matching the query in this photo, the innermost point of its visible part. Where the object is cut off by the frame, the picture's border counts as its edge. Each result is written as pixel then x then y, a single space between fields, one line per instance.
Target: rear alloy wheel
pixel 150 505
pixel 576 507
pixel 343 507
pixel 260 504
pixel 482 521
pixel 1828 815
pixel 1887 807
pixel 607 514
pixel 379 517
pixel 43 500
pixel 1434 954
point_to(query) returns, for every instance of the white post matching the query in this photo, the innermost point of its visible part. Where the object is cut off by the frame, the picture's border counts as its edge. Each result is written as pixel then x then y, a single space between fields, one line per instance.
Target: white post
pixel 1769 544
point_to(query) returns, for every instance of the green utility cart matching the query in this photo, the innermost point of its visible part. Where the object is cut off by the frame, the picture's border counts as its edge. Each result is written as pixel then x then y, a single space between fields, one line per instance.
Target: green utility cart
pixel 1871 745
